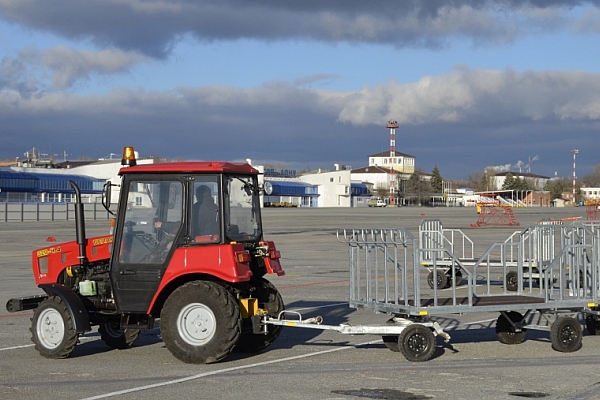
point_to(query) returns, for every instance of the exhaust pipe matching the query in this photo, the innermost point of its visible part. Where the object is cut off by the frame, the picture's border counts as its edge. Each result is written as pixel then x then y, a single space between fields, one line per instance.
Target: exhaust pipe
pixel 80 225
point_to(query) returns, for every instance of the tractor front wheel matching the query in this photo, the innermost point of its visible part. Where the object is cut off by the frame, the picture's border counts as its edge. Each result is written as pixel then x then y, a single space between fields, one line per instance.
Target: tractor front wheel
pixel 200 322
pixel 53 330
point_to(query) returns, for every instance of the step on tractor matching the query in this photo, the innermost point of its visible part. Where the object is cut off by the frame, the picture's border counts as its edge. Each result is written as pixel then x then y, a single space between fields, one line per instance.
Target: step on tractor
pixel 187 249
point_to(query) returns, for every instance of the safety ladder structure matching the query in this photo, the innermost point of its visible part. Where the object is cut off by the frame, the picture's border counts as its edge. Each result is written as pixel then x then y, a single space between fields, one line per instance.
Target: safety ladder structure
pixel 494 214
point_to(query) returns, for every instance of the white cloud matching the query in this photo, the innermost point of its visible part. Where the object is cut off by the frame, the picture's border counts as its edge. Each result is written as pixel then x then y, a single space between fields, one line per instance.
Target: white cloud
pixel 68 64
pixel 468 95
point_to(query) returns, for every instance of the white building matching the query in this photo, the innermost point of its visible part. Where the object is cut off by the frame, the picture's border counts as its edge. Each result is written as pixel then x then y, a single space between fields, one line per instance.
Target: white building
pixel 590 193
pixel 537 182
pixel 334 187
pixel 401 162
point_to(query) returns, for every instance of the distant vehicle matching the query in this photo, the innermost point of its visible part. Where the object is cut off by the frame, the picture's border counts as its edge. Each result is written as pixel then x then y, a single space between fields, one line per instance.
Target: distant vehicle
pixel 376 202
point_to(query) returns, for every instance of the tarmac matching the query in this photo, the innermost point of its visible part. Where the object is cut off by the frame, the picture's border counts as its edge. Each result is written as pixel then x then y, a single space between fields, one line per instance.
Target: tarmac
pixel 302 363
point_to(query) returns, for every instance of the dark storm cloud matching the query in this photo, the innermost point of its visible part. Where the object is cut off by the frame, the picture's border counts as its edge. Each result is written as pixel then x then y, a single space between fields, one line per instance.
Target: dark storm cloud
pixel 480 118
pixel 152 27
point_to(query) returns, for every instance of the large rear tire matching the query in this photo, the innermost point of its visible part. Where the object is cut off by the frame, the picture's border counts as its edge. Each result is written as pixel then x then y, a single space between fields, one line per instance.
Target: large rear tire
pixel 53 330
pixel 270 300
pixel 200 322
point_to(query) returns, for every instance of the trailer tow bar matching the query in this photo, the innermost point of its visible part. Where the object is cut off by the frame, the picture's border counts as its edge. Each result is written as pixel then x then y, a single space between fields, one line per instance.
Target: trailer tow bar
pixel 404 331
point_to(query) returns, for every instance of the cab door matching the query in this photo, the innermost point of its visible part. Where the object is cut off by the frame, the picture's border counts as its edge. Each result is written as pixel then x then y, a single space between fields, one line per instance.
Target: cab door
pixel 150 222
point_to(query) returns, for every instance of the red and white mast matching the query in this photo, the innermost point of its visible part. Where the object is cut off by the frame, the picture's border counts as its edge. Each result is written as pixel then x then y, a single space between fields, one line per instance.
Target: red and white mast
pixel 392 125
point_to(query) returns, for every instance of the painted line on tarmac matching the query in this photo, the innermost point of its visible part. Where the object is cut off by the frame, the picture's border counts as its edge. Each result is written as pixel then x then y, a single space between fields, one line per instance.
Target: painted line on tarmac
pixel 31 345
pixel 225 370
pixel 29 314
pixel 17 347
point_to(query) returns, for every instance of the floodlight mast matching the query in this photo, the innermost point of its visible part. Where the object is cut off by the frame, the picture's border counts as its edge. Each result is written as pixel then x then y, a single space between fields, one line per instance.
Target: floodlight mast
pixel 575 151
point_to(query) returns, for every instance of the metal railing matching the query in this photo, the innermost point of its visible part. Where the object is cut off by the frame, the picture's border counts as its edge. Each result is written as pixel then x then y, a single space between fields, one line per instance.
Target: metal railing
pixel 22 212
pixel 557 267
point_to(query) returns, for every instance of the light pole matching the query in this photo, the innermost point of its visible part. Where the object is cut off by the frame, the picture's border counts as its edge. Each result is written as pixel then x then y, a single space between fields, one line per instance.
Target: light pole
pixel 574 174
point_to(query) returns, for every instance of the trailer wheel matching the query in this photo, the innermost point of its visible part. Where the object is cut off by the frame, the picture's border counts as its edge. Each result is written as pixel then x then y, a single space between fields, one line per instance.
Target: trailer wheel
pixel 442 279
pixel 506 331
pixel 566 334
pixel 200 322
pixel 417 343
pixel 391 341
pixel 592 323
pixel 512 281
pixel 457 277
pixel 53 330
pixel 270 300
pixel 115 337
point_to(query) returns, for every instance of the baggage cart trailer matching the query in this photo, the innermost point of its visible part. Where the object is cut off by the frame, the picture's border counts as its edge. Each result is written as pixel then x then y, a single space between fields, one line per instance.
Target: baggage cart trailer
pixel 385 276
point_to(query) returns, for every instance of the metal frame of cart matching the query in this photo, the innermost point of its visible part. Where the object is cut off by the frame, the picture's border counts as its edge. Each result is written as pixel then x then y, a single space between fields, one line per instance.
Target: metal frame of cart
pixel 386 277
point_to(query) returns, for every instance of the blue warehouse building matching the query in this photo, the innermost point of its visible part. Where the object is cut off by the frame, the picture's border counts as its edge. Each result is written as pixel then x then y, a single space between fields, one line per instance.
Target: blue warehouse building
pixel 21 186
pixel 291 194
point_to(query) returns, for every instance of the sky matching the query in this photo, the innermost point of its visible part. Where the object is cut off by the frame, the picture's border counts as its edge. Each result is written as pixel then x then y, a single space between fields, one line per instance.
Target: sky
pixel 306 84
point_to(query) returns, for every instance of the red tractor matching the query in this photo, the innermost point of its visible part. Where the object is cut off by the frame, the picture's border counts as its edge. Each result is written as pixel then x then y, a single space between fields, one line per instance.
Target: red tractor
pixel 187 248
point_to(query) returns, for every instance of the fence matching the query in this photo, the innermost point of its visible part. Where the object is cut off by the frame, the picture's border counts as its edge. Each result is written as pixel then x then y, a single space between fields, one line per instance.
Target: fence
pixel 21 212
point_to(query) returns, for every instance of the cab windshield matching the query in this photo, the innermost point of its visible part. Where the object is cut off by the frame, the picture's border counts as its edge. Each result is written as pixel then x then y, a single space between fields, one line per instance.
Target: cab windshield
pixel 242 208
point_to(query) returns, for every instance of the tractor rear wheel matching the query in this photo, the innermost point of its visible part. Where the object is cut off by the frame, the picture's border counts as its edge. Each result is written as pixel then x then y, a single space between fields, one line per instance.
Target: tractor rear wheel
pixel 270 300
pixel 200 322
pixel 53 330
pixel 115 337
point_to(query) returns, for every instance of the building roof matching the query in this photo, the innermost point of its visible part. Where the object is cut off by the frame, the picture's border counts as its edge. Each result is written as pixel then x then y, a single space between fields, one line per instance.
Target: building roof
pixel 292 188
pixel 387 154
pixel 521 175
pixel 372 169
pixel 42 182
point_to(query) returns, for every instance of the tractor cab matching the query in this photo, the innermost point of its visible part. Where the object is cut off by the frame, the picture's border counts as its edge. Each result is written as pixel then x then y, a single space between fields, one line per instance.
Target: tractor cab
pixel 177 217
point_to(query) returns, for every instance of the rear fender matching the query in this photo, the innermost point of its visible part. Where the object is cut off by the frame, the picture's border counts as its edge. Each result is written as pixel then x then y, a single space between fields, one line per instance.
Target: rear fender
pixel 78 311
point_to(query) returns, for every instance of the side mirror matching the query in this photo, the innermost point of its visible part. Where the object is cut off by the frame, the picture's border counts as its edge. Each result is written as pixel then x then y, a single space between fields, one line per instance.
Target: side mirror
pixel 106 196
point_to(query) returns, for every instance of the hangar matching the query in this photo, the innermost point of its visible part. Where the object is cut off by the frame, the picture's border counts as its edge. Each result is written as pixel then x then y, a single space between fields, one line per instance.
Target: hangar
pixel 34 186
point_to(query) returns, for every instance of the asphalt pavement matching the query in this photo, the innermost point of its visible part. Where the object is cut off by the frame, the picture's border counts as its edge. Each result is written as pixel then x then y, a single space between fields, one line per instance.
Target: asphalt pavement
pixel 302 363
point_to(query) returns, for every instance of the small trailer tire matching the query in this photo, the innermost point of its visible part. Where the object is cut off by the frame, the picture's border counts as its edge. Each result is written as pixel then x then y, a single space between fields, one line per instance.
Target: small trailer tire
pixel 592 324
pixel 458 277
pixel 566 334
pixel 391 341
pixel 442 279
pixel 505 330
pixel 417 343
pixel 512 281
